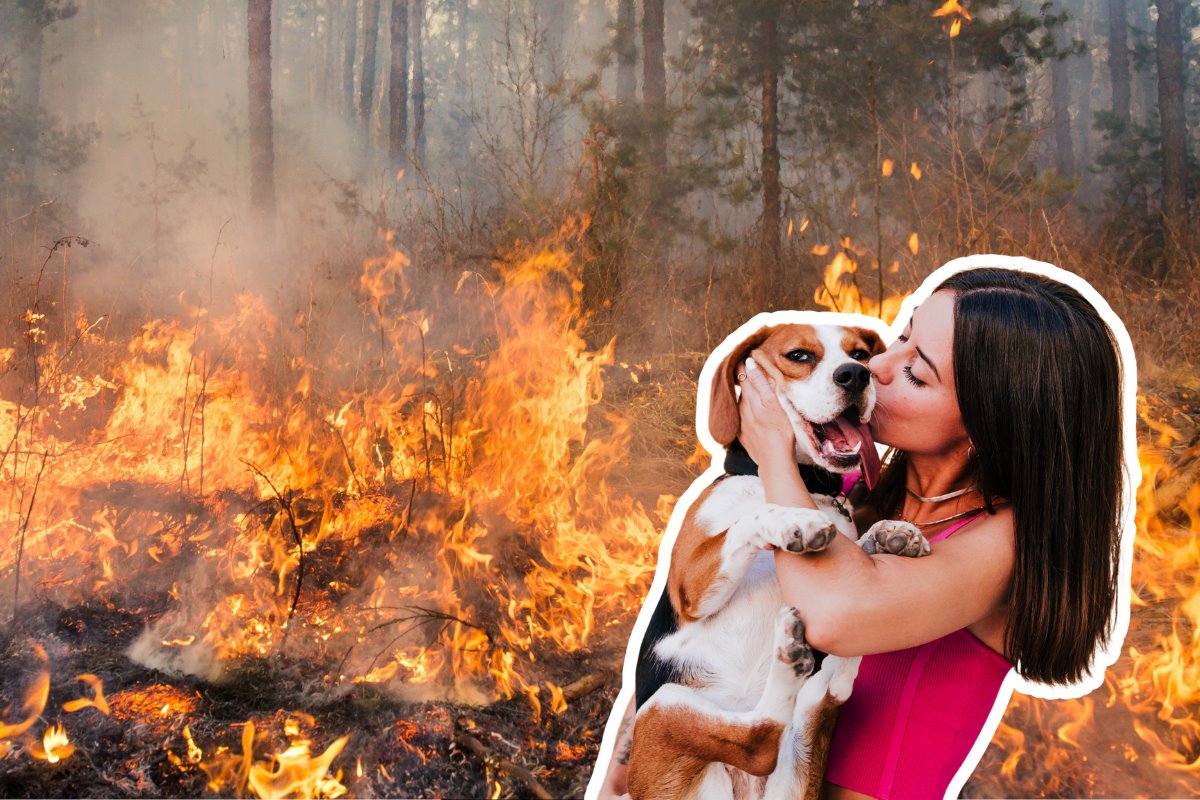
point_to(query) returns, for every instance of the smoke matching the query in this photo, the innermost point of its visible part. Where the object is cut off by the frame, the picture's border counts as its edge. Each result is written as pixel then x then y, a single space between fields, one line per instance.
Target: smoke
pixel 163 194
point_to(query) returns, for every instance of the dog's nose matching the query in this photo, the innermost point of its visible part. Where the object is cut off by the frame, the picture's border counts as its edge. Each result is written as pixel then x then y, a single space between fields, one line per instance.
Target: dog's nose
pixel 852 377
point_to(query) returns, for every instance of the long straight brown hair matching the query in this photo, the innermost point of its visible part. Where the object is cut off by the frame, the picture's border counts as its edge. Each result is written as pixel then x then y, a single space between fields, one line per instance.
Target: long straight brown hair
pixel 1038 377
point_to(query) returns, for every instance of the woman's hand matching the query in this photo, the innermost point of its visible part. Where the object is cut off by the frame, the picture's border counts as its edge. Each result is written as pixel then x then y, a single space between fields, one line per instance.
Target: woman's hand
pixel 766 432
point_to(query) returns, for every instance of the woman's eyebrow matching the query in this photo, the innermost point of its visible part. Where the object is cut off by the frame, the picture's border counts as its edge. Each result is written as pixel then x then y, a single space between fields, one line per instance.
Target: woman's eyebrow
pixel 927 360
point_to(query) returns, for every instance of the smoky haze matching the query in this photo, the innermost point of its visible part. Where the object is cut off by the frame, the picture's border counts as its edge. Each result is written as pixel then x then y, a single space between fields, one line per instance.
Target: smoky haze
pixel 522 111
pixel 157 93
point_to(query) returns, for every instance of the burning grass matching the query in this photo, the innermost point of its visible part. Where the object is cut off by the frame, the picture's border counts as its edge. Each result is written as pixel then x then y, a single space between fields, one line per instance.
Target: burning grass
pixel 245 516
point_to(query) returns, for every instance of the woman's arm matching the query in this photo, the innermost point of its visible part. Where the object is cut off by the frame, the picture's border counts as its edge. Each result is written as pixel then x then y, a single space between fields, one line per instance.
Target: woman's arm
pixel 852 603
pixel 614 785
pixel 855 604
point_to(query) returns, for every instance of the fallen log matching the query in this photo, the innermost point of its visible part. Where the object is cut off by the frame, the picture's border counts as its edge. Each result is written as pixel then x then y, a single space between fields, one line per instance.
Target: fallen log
pixel 584 686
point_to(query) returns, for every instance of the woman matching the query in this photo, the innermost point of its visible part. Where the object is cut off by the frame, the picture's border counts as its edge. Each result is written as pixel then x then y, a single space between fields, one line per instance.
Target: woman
pixel 1003 398
pixel 1007 412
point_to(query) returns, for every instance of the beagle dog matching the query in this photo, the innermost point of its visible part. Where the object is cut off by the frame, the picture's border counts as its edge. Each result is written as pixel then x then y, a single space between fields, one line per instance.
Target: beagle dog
pixel 726 704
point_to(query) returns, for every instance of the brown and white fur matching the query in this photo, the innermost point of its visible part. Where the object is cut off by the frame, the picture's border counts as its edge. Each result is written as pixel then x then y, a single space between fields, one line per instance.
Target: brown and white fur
pixel 746 720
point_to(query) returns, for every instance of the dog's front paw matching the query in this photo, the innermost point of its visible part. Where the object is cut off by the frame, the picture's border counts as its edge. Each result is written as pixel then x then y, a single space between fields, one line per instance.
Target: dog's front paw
pixel 801 530
pixel 790 646
pixel 895 537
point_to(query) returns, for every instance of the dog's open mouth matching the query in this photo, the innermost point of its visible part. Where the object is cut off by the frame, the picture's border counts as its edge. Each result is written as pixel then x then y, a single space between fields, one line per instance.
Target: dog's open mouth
pixel 845 441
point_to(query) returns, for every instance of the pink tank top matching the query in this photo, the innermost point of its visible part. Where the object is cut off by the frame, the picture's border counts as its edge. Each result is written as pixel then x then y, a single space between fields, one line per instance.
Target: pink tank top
pixel 915 714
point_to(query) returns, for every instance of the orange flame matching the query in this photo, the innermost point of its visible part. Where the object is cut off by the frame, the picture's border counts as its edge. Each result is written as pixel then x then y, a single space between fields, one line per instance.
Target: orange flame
pixel 840 291
pixel 99 702
pixel 35 703
pixel 54 747
pixel 952 7
pixel 292 773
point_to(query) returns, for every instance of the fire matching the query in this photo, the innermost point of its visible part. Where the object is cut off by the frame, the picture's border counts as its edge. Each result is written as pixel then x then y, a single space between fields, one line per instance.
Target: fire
pixel 54 747
pixel 840 289
pixel 292 773
pixel 150 701
pixel 35 703
pixel 98 702
pixel 297 774
pixel 446 468
pixel 951 7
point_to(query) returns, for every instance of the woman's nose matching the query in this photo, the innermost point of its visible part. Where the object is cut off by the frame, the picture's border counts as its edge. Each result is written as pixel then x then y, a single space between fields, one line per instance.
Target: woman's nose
pixel 880 367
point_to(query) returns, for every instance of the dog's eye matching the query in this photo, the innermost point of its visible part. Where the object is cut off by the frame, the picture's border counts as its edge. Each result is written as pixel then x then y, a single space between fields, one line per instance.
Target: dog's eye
pixel 800 356
pixel 860 354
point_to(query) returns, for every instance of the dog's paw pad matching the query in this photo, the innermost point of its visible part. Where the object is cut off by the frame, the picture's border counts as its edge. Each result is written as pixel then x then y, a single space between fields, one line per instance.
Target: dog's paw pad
pixel 895 537
pixel 791 647
pixel 810 538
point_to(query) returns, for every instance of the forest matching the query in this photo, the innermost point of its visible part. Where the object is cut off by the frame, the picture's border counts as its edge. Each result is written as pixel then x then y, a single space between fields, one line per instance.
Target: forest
pixel 349 348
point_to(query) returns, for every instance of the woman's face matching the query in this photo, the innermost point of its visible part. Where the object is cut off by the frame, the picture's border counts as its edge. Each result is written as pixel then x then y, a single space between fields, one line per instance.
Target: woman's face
pixel 916 408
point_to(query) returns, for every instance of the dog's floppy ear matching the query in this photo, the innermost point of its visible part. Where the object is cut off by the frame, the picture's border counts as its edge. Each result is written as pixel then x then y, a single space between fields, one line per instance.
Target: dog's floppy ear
pixel 873 342
pixel 723 418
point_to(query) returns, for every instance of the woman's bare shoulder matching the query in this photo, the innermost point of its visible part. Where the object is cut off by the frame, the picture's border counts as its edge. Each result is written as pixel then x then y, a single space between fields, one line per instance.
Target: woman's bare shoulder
pixel 1001 523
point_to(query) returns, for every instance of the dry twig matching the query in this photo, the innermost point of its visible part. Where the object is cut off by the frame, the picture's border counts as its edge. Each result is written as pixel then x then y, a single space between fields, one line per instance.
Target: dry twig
pixel 286 505
pixel 477 748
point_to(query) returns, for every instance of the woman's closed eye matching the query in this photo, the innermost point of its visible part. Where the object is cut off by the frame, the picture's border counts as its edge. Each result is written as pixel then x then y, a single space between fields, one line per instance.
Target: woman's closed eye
pixel 913 379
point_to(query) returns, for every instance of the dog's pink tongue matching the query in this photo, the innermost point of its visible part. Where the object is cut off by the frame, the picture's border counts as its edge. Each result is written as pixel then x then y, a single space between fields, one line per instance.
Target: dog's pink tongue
pixel 854 428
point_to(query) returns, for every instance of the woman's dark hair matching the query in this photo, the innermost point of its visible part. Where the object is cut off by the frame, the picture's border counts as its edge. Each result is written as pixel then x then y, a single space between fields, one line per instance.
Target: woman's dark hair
pixel 1038 378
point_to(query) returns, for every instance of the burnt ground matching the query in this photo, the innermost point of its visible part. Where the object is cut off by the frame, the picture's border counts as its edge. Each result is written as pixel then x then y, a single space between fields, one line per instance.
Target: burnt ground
pixel 405 749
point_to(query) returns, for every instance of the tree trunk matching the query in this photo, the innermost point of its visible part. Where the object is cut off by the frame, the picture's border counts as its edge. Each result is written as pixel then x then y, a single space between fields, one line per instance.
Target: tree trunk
pixel 328 81
pixel 1060 104
pixel 1169 49
pixel 554 18
pixel 262 148
pixel 772 190
pixel 626 48
pixel 654 80
pixel 366 81
pixel 351 45
pixel 1145 82
pixel 30 35
pixel 460 121
pixel 398 83
pixel 417 24
pixel 1088 32
pixel 1118 60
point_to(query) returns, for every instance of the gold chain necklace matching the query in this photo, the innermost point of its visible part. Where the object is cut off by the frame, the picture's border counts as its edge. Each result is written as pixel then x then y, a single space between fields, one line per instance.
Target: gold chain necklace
pixel 940 497
pixel 950 518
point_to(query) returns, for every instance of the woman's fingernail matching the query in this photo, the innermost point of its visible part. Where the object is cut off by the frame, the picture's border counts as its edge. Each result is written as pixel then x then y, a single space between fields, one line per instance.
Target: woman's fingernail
pixel 750 364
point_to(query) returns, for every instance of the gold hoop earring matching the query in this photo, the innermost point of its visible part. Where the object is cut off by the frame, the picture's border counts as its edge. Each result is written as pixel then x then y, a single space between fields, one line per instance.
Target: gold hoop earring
pixel 970 452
